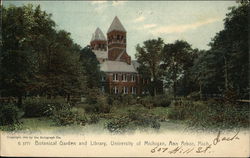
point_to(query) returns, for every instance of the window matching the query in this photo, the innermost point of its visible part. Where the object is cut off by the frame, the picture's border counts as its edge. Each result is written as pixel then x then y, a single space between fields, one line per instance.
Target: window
pixel 124 77
pixel 103 89
pixel 125 90
pixel 115 77
pixel 103 78
pixel 116 90
pixel 133 78
pixel 133 90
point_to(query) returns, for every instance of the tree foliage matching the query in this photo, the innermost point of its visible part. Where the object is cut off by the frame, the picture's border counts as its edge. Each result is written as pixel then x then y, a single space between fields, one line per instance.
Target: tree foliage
pixel 150 56
pixel 91 67
pixel 38 59
pixel 225 66
pixel 178 57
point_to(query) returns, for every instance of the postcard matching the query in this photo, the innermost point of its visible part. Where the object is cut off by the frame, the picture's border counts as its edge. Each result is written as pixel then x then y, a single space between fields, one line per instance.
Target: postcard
pixel 124 79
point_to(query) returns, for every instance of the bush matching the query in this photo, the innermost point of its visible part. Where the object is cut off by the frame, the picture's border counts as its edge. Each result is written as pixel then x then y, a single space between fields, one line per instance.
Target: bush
pixel 194 96
pixel 143 119
pixel 93 119
pixel 210 114
pixel 8 114
pixel 99 106
pixel 118 125
pixel 121 99
pixel 157 101
pixel 67 117
pixel 135 118
pixel 43 107
pixel 162 100
pixel 91 108
pixel 12 127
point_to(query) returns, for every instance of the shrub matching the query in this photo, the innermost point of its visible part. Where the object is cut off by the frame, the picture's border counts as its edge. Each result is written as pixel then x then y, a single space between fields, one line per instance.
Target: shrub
pixel 8 114
pixel 194 96
pixel 157 101
pixel 210 114
pixel 43 107
pixel 143 118
pixel 12 127
pixel 162 100
pixel 136 117
pixel 118 125
pixel 93 119
pixel 93 95
pixel 99 106
pixel 67 117
pixel 91 108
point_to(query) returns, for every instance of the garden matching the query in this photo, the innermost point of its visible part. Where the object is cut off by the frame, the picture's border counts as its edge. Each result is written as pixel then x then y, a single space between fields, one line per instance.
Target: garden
pixel 120 114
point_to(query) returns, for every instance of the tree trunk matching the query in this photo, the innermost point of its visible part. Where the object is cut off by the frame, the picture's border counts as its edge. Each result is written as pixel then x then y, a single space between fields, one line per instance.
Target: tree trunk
pixel 68 98
pixel 200 90
pixel 19 101
pixel 226 73
pixel 154 91
pixel 174 88
pixel 49 96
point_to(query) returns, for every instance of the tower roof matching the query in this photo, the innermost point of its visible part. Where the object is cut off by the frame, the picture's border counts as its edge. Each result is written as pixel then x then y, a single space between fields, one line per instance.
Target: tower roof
pixel 116 25
pixel 98 35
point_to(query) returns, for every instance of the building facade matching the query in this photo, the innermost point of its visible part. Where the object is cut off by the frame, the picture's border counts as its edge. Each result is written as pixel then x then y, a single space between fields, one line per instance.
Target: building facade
pixel 120 75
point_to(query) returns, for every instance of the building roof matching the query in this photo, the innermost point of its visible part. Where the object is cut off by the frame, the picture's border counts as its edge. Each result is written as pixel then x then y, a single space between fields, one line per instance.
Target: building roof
pixel 117 66
pixel 135 63
pixel 98 35
pixel 116 25
pixel 101 54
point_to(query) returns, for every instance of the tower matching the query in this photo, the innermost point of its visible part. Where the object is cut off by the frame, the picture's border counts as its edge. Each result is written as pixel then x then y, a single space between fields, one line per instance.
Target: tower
pixel 117 42
pixel 98 41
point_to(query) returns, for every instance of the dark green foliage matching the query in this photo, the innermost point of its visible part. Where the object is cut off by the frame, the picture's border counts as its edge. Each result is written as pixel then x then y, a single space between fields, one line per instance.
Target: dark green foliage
pixel 66 117
pixel 8 114
pixel 97 108
pixel 91 67
pixel 150 57
pixel 211 114
pixel 12 127
pixel 194 96
pixel 43 107
pixel 159 100
pixel 93 119
pixel 162 100
pixel 143 119
pixel 118 125
pixel 36 58
pixel 226 64
pixel 97 102
pixel 177 58
pixel 134 119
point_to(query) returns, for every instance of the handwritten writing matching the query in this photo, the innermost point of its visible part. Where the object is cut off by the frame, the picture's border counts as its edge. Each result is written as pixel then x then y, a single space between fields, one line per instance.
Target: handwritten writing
pixel 199 150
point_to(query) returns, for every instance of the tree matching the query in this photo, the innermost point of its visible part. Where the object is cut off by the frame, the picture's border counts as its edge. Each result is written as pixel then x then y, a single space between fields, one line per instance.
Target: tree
pixel 17 57
pixel 177 57
pixel 36 58
pixel 150 57
pixel 230 47
pixel 91 67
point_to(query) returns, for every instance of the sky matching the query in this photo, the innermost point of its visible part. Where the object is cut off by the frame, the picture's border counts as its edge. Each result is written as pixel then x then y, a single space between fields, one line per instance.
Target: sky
pixel 197 22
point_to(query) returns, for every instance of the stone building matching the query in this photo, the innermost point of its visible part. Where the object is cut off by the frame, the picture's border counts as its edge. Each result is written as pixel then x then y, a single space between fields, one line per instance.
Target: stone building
pixel 120 73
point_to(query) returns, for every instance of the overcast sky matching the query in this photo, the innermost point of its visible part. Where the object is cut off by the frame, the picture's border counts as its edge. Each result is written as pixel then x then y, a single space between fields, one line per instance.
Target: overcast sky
pixel 194 21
